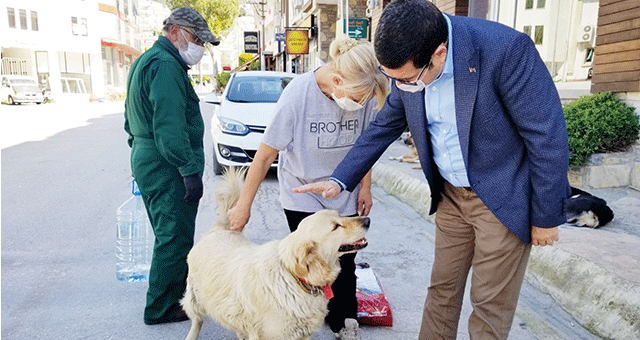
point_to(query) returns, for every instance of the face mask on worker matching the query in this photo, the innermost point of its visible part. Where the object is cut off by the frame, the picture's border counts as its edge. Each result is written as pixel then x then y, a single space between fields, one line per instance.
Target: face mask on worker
pixel 194 52
pixel 346 104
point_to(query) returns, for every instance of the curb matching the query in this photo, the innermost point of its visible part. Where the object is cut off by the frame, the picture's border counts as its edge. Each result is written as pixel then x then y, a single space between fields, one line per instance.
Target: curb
pixel 572 281
pixel 603 303
pixel 408 189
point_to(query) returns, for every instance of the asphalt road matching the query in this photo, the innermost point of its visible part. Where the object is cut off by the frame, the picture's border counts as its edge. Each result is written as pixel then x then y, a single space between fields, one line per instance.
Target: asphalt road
pixel 59 197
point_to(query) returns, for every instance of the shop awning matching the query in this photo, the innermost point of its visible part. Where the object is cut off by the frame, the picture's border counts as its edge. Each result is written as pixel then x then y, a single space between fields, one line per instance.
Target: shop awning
pixel 124 48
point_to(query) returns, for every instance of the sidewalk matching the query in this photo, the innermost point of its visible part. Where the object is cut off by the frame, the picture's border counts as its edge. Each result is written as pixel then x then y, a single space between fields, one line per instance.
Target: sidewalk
pixel 594 274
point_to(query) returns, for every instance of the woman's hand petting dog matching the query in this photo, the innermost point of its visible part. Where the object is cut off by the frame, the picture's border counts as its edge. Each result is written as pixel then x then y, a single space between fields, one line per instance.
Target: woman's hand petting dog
pixel 238 217
pixel 544 236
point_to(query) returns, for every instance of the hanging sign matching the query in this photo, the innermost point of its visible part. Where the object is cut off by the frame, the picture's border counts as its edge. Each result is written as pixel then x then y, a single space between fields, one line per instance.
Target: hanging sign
pixel 297 41
pixel 251 42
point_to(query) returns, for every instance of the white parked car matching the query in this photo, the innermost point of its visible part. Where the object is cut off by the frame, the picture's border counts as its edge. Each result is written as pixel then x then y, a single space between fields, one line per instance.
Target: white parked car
pixel 21 89
pixel 242 114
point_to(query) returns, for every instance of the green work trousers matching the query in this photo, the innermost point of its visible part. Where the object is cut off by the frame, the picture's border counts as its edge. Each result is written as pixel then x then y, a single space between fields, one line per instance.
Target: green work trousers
pixel 173 221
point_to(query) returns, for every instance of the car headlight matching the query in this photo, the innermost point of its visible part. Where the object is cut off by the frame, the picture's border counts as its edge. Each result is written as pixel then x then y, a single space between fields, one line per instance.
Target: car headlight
pixel 232 127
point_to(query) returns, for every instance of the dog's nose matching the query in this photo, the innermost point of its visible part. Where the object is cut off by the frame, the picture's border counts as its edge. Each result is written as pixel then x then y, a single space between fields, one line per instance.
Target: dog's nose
pixel 365 222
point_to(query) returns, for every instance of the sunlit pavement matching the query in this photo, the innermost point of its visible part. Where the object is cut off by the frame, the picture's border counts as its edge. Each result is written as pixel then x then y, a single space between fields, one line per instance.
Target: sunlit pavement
pixel 32 122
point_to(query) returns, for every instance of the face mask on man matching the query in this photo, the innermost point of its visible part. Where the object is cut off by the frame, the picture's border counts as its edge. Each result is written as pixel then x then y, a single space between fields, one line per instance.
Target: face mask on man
pixel 194 52
pixel 414 86
pixel 346 104
pixel 411 87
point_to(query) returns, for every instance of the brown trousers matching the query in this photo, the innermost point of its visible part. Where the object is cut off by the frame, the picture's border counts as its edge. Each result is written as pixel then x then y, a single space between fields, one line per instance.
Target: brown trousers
pixel 468 236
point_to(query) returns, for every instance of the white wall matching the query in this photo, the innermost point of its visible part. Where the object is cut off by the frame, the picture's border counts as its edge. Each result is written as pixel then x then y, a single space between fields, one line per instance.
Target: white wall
pixel 54 34
pixel 562 20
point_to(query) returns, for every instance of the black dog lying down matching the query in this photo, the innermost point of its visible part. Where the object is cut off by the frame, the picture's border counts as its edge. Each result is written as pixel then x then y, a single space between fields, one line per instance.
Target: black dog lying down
pixel 586 210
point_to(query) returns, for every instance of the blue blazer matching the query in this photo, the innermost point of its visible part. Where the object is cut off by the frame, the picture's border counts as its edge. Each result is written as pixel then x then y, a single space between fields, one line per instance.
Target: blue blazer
pixel 510 125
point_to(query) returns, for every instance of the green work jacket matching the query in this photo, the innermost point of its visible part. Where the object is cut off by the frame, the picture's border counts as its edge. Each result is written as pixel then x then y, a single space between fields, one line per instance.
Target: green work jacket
pixel 162 108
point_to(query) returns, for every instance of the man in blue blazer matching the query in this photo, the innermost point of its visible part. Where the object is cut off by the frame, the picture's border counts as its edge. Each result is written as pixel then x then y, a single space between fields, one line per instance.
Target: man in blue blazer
pixel 490 134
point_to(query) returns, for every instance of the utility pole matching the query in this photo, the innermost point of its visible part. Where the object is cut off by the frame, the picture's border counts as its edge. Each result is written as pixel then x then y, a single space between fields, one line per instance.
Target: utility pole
pixel 261 12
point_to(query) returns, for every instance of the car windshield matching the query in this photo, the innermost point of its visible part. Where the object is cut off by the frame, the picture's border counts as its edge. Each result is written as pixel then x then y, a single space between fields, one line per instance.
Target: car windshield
pixel 25 85
pixel 23 82
pixel 257 89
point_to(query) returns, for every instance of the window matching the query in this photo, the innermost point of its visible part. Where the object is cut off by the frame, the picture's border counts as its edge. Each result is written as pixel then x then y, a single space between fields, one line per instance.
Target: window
pixel 83 27
pixel 42 61
pixel 73 85
pixel 23 19
pixel 74 62
pixel 527 30
pixel 79 26
pixel 540 4
pixel 589 55
pixel 65 88
pixel 34 21
pixel 74 25
pixel 106 64
pixel 538 37
pixel 11 13
pixel 528 4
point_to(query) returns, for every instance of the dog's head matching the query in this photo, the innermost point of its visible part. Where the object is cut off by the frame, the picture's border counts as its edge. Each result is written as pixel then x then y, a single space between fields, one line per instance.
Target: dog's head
pixel 585 210
pixel 312 251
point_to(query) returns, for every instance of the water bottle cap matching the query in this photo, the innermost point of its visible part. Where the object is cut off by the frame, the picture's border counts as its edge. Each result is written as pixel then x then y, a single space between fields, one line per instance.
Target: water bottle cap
pixel 134 188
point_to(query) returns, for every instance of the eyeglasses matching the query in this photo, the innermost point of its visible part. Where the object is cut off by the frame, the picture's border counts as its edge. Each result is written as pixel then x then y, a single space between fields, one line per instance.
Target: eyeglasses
pixel 196 40
pixel 411 83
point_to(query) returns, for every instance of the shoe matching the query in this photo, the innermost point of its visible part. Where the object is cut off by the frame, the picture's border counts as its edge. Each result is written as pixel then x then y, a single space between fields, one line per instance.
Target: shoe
pixel 177 317
pixel 350 331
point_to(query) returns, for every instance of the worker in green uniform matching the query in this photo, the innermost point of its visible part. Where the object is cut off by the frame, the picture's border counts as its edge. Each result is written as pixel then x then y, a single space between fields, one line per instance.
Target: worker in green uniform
pixel 165 127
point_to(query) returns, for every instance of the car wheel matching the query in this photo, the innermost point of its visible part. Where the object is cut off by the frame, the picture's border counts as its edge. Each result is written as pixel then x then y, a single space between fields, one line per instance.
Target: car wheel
pixel 11 101
pixel 217 167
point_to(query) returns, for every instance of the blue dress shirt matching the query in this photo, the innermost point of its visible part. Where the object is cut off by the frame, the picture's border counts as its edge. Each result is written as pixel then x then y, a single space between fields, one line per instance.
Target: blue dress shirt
pixel 439 102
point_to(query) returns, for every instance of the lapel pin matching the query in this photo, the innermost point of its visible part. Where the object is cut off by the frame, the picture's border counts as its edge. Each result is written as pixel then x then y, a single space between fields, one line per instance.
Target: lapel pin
pixel 472 70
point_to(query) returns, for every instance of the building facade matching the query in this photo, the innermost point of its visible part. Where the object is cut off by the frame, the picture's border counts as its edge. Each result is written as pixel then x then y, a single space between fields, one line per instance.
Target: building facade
pixel 54 42
pixel 120 34
pixel 77 49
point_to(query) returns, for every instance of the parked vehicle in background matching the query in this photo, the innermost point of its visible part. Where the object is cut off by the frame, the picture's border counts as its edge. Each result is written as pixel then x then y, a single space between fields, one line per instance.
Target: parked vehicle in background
pixel 242 114
pixel 21 89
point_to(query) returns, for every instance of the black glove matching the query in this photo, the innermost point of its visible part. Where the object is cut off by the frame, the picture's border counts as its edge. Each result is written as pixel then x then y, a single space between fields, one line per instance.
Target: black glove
pixel 193 186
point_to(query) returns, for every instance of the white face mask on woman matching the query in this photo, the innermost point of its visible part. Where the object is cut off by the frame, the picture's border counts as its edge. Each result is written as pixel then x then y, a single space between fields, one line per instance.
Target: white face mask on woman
pixel 346 104
pixel 194 52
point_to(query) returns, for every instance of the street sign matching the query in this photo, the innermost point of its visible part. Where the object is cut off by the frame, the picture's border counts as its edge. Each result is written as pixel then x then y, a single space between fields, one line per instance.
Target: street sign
pixel 297 41
pixel 280 37
pixel 358 28
pixel 251 42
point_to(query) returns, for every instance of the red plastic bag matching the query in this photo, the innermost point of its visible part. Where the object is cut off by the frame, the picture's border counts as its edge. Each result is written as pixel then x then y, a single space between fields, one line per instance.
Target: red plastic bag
pixel 373 307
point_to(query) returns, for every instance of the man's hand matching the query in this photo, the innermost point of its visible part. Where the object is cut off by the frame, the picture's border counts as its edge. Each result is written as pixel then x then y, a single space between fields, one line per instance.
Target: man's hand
pixel 328 189
pixel 365 202
pixel 193 186
pixel 544 236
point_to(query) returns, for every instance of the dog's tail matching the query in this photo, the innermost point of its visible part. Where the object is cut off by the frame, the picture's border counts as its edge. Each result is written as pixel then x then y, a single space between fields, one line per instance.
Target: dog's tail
pixel 228 194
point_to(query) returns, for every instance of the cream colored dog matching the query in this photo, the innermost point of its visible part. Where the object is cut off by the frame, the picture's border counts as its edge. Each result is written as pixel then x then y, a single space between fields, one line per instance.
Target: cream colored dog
pixel 277 290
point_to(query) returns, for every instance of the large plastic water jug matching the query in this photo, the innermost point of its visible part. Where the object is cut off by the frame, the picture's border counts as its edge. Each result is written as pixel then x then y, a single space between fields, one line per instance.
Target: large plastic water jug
pixel 134 239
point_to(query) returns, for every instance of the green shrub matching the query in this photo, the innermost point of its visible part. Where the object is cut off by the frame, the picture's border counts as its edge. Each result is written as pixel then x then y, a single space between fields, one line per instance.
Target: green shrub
pixel 599 123
pixel 196 79
pixel 244 57
pixel 222 79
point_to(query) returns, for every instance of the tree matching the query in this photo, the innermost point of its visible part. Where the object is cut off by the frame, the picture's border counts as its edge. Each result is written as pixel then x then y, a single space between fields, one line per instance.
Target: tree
pixel 219 14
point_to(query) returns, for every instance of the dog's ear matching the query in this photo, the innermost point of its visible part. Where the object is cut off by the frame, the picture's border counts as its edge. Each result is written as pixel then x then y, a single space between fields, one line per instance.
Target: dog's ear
pixel 309 264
